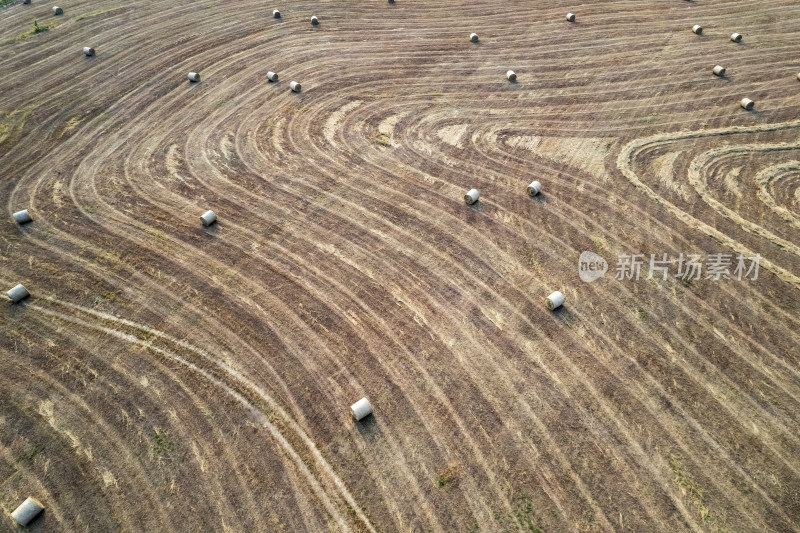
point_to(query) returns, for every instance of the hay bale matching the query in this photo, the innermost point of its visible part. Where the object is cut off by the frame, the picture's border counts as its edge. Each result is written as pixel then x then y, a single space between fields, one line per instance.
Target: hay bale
pixel 747 103
pixel 276 14
pixel 698 29
pixel 314 20
pixel 57 11
pixel 473 37
pixel 471 197
pixel 555 300
pixel 18 293
pixel 88 50
pixel 208 218
pixel 361 409
pixel 272 76
pixel 570 17
pixel 719 70
pixel 534 188
pixel 295 87
pixel 194 76
pixel 511 75
pixel 26 1
pixel 736 37
pixel 22 217
pixel 27 511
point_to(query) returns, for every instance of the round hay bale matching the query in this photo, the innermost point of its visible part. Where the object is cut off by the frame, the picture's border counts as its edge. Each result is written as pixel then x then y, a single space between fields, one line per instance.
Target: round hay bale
pixel 26 1
pixel 361 408
pixel 473 37
pixel 511 75
pixel 27 511
pixel 719 70
pixel 747 103
pixel 555 300
pixel 57 10
pixel 698 29
pixel 276 14
pixel 471 197
pixel 736 37
pixel 88 50
pixel 534 188
pixel 570 17
pixel 194 76
pixel 295 87
pixel 208 218
pixel 272 76
pixel 798 75
pixel 18 293
pixel 22 217
pixel 314 20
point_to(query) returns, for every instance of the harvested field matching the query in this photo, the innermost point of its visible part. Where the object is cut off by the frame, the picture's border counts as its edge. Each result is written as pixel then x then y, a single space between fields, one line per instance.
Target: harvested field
pixel 167 376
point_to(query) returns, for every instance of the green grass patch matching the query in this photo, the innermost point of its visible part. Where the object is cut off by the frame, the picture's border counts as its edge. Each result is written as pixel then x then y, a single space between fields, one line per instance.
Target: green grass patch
pixel 98 13
pixel 36 30
pixel 4 3
pixel 12 123
pixel 382 138
pixel 161 443
pixel 692 490
pixel 30 456
pixel 447 478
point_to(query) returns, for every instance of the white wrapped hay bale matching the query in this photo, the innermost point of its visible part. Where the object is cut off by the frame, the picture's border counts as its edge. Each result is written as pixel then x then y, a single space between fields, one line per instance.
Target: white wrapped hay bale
pixel 194 76
pixel 473 37
pixel 534 188
pixel 88 51
pixel 22 217
pixel 314 20
pixel 555 300
pixel 272 76
pixel 511 75
pixel 698 29
pixel 736 37
pixel 746 103
pixel 570 17
pixel 295 87
pixel 18 293
pixel 471 197
pixel 276 14
pixel 57 10
pixel 27 511
pixel 361 409
pixel 208 218
pixel 719 70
